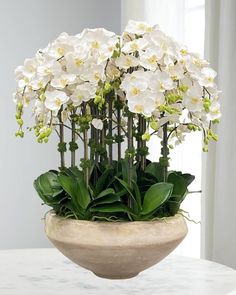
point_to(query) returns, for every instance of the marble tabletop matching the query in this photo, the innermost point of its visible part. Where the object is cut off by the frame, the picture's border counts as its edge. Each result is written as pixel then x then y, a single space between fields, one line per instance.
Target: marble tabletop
pixel 48 272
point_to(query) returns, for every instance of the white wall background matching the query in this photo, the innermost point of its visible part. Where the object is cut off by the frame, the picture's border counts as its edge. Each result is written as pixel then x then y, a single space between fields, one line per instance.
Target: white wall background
pixel 25 26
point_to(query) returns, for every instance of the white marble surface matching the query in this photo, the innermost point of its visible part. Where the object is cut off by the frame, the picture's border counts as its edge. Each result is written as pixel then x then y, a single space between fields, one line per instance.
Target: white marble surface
pixel 47 272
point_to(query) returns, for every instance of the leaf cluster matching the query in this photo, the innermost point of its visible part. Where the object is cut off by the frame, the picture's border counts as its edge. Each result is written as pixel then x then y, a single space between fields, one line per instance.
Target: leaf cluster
pixel 109 197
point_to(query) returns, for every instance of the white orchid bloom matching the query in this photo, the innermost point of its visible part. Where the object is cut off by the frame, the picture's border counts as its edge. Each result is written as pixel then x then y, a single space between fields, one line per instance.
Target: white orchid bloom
pixel 39 82
pixel 138 28
pixel 44 118
pixel 97 123
pixel 58 50
pixel 39 108
pixel 67 39
pixel 75 60
pixel 24 99
pixel 23 82
pixel 214 112
pixel 55 99
pixel 61 46
pixel 166 44
pixel 179 136
pixel 168 60
pixel 83 92
pixel 135 45
pixel 94 73
pixel 171 118
pixel 135 76
pixel 105 53
pixel 156 37
pixel 126 61
pixel 194 64
pixel 207 77
pixel 100 42
pixel 136 89
pixel 28 70
pixel 176 71
pixel 192 100
pixel 161 81
pixel 143 103
pixel 63 80
pixel 97 37
pixel 25 73
pixel 159 98
pixel 150 58
pixel 49 68
pixel 136 83
pixel 112 72
pixel 186 81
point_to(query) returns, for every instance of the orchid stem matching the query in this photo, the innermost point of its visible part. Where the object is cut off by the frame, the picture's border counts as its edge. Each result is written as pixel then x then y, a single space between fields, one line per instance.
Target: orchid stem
pixel 61 134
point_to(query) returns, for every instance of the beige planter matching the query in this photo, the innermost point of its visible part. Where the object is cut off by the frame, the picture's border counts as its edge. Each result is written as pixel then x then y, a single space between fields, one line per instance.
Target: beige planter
pixel 115 250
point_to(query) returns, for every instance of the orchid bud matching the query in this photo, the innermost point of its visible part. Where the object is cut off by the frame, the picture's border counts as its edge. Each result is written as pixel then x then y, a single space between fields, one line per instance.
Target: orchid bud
pixel 107 86
pixel 97 99
pixel 42 97
pixel 183 88
pixel 146 136
pixel 154 125
pixel 48 132
pixel 20 106
pixel 205 149
pixel 18 116
pixel 20 122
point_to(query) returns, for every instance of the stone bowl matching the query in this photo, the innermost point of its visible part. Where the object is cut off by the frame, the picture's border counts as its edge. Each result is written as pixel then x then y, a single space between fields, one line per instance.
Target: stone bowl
pixel 115 250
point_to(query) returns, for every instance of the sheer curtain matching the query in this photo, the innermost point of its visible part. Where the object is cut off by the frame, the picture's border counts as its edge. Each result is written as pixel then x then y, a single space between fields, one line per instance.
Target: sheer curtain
pixel 183 20
pixel 219 202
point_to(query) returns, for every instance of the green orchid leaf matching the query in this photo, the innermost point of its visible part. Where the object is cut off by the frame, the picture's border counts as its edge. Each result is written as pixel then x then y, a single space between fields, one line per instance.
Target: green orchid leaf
pixel 73 172
pixel 103 200
pixel 106 197
pixel 173 206
pixel 188 177
pixel 113 179
pixel 102 181
pixel 48 187
pixel 125 185
pixel 71 207
pixel 71 211
pixel 76 189
pixel 124 165
pixel 121 193
pixel 59 199
pixel 112 208
pixel 136 207
pixel 154 169
pixel 156 195
pixel 108 191
pixel 137 194
pixel 179 182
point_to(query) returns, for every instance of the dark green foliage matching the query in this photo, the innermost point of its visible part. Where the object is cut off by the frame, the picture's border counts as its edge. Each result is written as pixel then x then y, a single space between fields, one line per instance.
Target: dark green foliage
pixel 156 196
pixel 108 194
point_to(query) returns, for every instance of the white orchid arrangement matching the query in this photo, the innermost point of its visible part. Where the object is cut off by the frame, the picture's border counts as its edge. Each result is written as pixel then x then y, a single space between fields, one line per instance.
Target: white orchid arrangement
pixel 112 90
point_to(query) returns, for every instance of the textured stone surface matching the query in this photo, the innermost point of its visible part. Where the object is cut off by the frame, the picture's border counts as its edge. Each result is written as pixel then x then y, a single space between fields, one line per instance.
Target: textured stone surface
pixel 48 272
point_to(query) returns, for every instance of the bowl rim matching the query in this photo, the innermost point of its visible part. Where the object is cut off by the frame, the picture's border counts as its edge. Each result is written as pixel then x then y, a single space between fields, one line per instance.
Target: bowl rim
pixel 52 214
